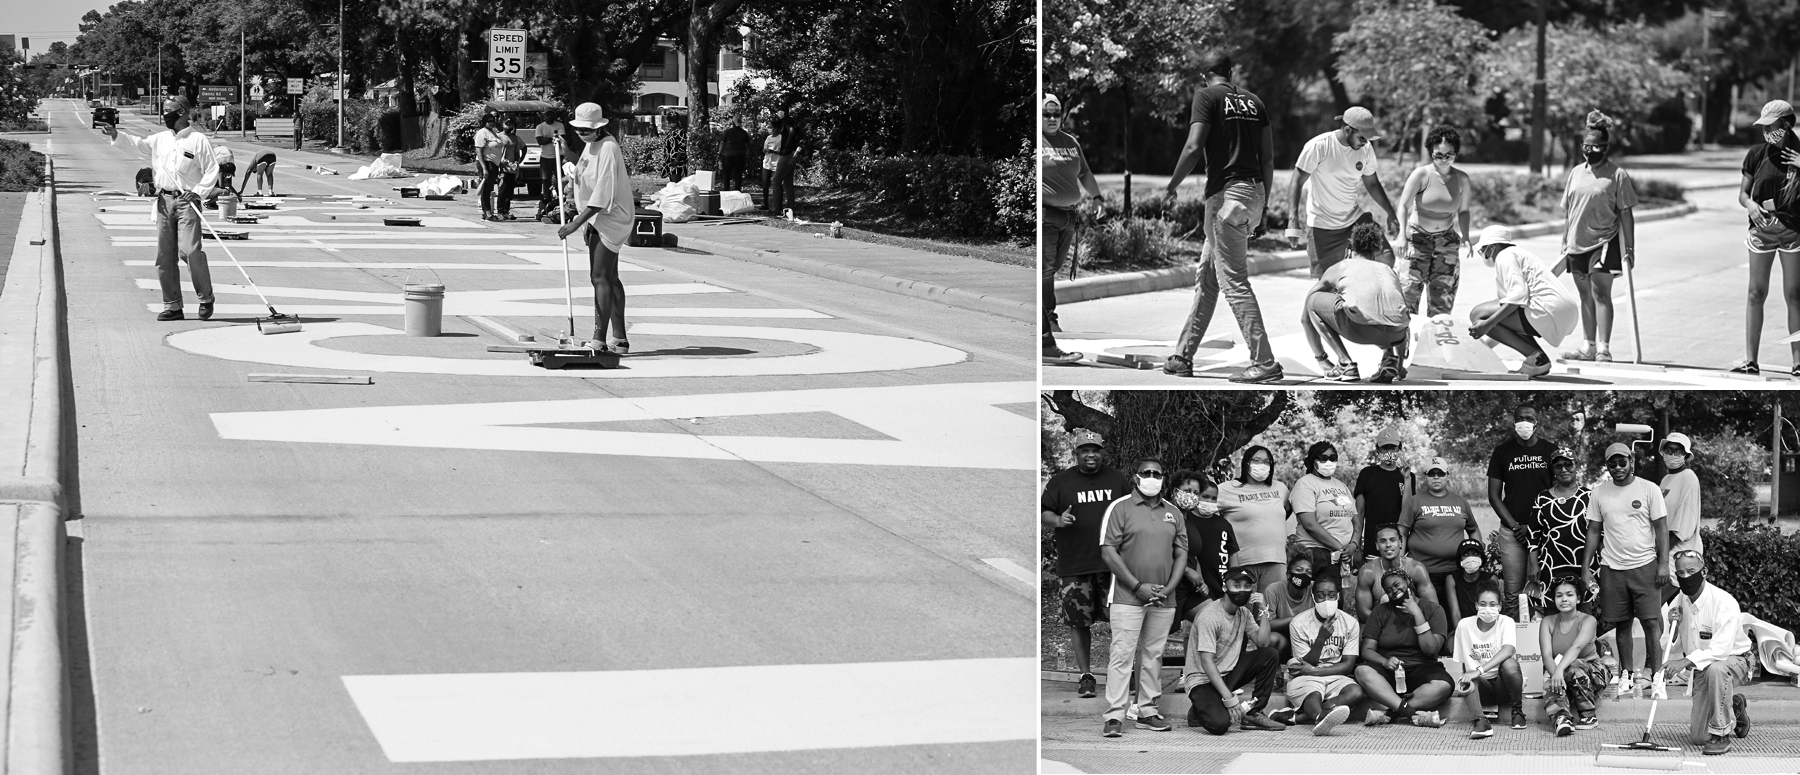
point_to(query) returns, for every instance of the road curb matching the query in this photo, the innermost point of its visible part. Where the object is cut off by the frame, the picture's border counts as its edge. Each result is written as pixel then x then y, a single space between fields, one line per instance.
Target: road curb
pixel 918 289
pixel 1152 280
pixel 33 366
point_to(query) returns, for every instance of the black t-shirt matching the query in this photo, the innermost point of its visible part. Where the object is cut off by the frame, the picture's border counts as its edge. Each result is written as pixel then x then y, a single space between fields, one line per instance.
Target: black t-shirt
pixel 1234 141
pixel 1768 176
pixel 1078 545
pixel 734 142
pixel 1525 470
pixel 1211 543
pixel 1381 491
pixel 1467 590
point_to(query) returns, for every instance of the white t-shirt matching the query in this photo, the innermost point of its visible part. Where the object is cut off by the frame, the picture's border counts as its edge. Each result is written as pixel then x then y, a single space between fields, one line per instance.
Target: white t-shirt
pixel 1330 503
pixel 1474 647
pixel 1334 193
pixel 1681 495
pixel 1521 278
pixel 1625 514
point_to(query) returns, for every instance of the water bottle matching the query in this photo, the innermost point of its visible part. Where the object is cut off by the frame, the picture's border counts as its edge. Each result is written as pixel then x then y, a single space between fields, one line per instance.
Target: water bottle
pixel 1400 679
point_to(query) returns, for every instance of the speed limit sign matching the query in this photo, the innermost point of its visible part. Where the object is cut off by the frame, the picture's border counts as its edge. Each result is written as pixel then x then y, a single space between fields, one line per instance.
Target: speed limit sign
pixel 506 54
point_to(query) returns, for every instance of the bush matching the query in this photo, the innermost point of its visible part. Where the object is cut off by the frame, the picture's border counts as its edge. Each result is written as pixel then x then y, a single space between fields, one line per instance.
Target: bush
pixel 643 155
pixel 319 123
pixel 21 169
pixel 1729 465
pixel 1761 568
pixel 1184 215
pixel 951 191
pixel 1497 197
pixel 1134 242
pixel 1660 189
pixel 1016 195
pixel 460 131
pixel 229 122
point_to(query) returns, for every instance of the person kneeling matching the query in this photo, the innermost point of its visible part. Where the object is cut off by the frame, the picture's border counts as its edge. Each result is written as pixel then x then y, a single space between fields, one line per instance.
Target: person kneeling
pixel 1713 641
pixel 1486 648
pixel 1531 304
pixel 1218 665
pixel 1325 640
pixel 1404 633
pixel 1359 299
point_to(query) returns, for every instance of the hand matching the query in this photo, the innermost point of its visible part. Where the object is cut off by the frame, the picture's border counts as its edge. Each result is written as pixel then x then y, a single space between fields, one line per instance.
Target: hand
pixel 1534 589
pixel 1631 258
pixel 1393 227
pixel 1256 598
pixel 1662 578
pixel 1393 663
pixel 1464 686
pixel 1555 682
pixel 569 228
pixel 1790 157
pixel 111 130
pixel 1066 518
pixel 1522 532
pixel 1169 193
pixel 1293 239
pixel 1238 711
pixel 1587 580
pixel 1757 213
pixel 1670 669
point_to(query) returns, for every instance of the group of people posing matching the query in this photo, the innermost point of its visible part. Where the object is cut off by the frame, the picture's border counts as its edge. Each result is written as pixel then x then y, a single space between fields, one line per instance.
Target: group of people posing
pixel 1349 594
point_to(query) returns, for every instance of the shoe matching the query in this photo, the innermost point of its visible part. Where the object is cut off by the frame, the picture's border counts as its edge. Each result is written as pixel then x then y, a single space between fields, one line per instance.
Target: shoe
pixel 170 314
pixel 1716 745
pixel 1332 718
pixel 1482 729
pixel 1576 355
pixel 1537 365
pixel 508 217
pixel 206 310
pixel 1518 719
pixel 1428 718
pixel 1086 687
pixel 1259 374
pixel 1386 373
pixel 1284 716
pixel 1178 366
pixel 1112 728
pixel 1587 722
pixel 619 346
pixel 1348 373
pixel 1491 714
pixel 1259 722
pixel 1603 356
pixel 1054 356
pixel 1740 707
pixel 1747 367
pixel 1376 718
pixel 1564 727
pixel 1153 722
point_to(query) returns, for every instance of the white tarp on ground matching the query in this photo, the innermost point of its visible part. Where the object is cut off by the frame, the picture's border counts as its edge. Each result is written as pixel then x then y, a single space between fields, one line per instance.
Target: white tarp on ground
pixel 678 201
pixel 389 165
pixel 442 184
pixel 734 202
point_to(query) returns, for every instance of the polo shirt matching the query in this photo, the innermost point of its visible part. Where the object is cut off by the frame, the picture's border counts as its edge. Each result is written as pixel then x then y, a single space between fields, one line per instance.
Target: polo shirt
pixel 1147 534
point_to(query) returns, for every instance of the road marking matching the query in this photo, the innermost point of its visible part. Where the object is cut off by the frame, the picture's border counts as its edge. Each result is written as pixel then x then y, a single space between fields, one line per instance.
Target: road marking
pixel 547 261
pixel 500 716
pixel 458 302
pixel 931 426
pixel 325 310
pixel 1013 569
pixel 132 222
pixel 239 246
pixel 837 352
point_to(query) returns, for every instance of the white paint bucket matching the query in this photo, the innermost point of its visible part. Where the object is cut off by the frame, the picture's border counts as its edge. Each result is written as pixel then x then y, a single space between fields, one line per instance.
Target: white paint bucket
pixel 424 309
pixel 228 207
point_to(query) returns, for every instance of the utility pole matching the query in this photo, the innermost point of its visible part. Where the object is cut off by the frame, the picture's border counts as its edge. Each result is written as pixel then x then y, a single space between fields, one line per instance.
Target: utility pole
pixel 243 81
pixel 1540 95
pixel 340 78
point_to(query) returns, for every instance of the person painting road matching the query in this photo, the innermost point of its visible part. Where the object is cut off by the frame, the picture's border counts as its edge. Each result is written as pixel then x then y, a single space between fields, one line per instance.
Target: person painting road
pixel 1714 643
pixel 1066 178
pixel 1770 192
pixel 1072 507
pixel 1599 236
pixel 1434 205
pixel 1143 540
pixel 1334 173
pixel 185 172
pixel 1230 127
pixel 608 209
pixel 1529 303
pixel 1359 299
pixel 1633 563
pixel 262 165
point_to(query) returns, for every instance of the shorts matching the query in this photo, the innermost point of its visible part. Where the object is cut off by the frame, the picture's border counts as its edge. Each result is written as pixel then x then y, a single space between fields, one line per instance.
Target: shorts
pixel 1772 237
pixel 1084 598
pixel 1323 304
pixel 1325 247
pixel 1416 675
pixel 1608 258
pixel 1629 594
pixel 1326 686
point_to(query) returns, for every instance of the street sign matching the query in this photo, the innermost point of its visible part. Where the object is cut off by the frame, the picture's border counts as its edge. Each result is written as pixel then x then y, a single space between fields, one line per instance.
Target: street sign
pixel 218 95
pixel 535 65
pixel 506 54
pixel 296 85
pixel 256 91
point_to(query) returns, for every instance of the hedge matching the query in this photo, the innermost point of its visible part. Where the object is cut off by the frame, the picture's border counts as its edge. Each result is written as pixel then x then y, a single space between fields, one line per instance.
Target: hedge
pixel 21 169
pixel 1761 568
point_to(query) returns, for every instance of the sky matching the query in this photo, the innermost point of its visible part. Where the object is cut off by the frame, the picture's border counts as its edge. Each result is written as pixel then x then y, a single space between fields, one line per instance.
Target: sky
pixel 44 22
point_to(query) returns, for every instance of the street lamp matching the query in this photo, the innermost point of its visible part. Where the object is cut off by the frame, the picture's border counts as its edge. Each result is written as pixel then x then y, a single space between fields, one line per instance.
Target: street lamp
pixel 1706 18
pixel 340 74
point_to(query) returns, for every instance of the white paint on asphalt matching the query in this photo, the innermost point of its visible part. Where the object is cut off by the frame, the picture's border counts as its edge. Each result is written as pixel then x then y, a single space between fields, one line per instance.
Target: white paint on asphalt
pixel 510 301
pixel 546 261
pixel 325 310
pixel 120 221
pixel 838 352
pixel 499 716
pixel 935 426
pixel 1014 570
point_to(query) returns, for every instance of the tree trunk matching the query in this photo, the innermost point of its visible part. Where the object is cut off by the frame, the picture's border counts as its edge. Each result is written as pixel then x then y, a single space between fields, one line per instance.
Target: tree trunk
pixel 707 19
pixel 1340 95
pixel 470 85
pixel 409 108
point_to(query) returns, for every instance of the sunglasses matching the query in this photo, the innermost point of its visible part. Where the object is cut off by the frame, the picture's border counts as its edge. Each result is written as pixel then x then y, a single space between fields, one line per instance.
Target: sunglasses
pixel 1562 466
pixel 1436 474
pixel 1444 156
pixel 1053 114
pixel 1618 462
pixel 1151 474
pixel 1388 448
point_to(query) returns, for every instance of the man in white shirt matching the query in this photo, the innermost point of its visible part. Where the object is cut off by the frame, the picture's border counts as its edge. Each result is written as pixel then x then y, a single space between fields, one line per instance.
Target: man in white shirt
pixel 1681 493
pixel 1334 171
pixel 1712 637
pixel 184 172
pixel 1634 561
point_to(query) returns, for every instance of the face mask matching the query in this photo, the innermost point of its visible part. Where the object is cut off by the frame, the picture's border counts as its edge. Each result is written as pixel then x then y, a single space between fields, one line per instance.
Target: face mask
pixel 1774 135
pixel 1487 614
pixel 1326 608
pixel 1594 157
pixel 1239 599
pixel 1524 428
pixel 1300 579
pixel 1186 500
pixel 1207 508
pixel 1690 585
pixel 171 118
pixel 1327 468
pixel 1471 564
pixel 1259 472
pixel 1150 487
pixel 1387 459
pixel 1674 461
pixel 1398 599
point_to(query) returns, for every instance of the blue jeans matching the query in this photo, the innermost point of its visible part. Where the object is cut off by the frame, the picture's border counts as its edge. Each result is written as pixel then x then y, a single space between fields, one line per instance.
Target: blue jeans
pixel 1512 571
pixel 1058 231
pixel 1231 215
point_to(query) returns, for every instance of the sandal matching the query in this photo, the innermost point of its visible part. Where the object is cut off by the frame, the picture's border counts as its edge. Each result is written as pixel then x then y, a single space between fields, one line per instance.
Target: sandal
pixel 1747 367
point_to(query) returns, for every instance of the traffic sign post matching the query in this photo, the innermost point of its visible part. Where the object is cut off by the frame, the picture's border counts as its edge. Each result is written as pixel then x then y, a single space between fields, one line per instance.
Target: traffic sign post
pixel 218 95
pixel 295 86
pixel 506 54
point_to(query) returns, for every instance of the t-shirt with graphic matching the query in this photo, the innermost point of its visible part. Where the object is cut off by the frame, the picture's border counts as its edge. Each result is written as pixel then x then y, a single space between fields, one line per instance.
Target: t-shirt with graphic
pixel 1086 496
pixel 1345 637
pixel 1147 535
pixel 1220 634
pixel 1383 492
pixel 1592 200
pixel 1524 471
pixel 1331 505
pixel 1235 122
pixel 1392 629
pixel 1211 543
pixel 1772 180
pixel 1475 646
pixel 1258 515
pixel 1436 525
pixel 1064 166
pixel 1681 496
pixel 1334 192
pixel 1625 514
pixel 1561 534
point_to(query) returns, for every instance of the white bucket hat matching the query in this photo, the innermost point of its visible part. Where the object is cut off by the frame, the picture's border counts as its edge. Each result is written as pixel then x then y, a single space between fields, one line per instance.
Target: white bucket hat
pixel 221 154
pixel 1495 235
pixel 587 116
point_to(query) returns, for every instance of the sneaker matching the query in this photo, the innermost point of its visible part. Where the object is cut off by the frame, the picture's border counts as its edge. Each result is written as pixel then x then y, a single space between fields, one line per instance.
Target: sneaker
pixel 1564 727
pixel 1259 374
pixel 1518 719
pixel 1055 356
pixel 1153 722
pixel 1257 721
pixel 1387 372
pixel 1716 745
pixel 1680 679
pixel 1285 716
pixel 1482 729
pixel 170 314
pixel 1332 718
pixel 1428 718
pixel 1537 365
pixel 1747 367
pixel 206 308
pixel 1112 728
pixel 1587 722
pixel 1491 714
pixel 1087 685
pixel 1348 373
pixel 1576 355
pixel 1740 707
pixel 1376 718
pixel 1178 366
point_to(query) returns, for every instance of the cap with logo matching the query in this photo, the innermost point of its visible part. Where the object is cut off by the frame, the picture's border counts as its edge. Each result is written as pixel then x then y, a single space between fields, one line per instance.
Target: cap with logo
pixel 1618 448
pixel 1562 453
pixel 1362 120
pixel 1239 573
pixel 1050 100
pixel 1389 436
pixel 1470 548
pixel 1775 110
pixel 1681 439
pixel 1085 437
pixel 1437 464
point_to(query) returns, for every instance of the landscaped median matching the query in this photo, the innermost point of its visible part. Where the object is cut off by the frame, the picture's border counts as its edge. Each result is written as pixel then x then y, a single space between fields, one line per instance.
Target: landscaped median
pixel 1165 278
pixel 34 418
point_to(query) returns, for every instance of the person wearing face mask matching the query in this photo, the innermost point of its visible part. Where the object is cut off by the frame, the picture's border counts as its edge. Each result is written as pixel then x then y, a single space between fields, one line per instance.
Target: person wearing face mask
pixel 1681 495
pixel 1359 299
pixel 1530 303
pixel 1218 664
pixel 1518 470
pixel 185 172
pixel 608 208
pixel 1326 514
pixel 1211 544
pixel 1064 181
pixel 1435 525
pixel 1558 543
pixel 1382 489
pixel 1574 673
pixel 1404 632
pixel 1143 540
pixel 1769 194
pixel 1486 648
pixel 1461 587
pixel 1289 598
pixel 1634 562
pixel 1390 557
pixel 1434 205
pixel 1599 235
pixel 1257 506
pixel 1073 504
pixel 1325 640
pixel 1714 643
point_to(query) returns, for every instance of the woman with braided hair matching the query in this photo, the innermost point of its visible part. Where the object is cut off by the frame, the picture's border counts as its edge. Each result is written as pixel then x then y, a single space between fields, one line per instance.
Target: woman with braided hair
pixel 1600 235
pixel 1574 671
pixel 1404 633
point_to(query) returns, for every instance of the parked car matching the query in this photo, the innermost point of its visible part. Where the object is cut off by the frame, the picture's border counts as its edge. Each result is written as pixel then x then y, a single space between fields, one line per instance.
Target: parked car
pixel 105 114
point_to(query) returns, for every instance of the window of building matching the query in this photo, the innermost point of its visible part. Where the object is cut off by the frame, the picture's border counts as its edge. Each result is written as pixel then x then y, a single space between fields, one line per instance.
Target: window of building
pixel 669 69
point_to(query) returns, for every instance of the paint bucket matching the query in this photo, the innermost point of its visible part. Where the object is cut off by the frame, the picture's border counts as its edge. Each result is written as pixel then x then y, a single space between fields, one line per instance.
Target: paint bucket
pixel 424 308
pixel 228 206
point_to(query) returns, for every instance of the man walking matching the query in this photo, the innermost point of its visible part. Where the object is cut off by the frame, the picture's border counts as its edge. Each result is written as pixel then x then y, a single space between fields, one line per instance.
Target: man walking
pixel 1073 503
pixel 184 171
pixel 548 133
pixel 1633 563
pixel 1229 126
pixel 1518 470
pixel 1712 638
pixel 1144 542
pixel 1065 177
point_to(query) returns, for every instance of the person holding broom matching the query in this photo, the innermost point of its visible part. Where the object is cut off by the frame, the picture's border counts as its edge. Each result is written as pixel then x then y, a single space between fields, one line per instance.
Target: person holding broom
pixel 608 209
pixel 1600 236
pixel 184 171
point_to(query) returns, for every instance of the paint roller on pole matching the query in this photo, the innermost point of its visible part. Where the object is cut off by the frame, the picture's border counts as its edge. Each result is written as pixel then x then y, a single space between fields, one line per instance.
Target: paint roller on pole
pixel 1637 342
pixel 275 323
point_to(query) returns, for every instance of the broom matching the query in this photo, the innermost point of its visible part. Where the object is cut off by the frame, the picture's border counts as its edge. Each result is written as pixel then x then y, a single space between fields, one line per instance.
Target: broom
pixel 275 323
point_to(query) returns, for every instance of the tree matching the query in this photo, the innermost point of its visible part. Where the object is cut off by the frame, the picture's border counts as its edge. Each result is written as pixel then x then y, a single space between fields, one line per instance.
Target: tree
pixel 1614 70
pixel 1186 429
pixel 17 98
pixel 706 20
pixel 1417 62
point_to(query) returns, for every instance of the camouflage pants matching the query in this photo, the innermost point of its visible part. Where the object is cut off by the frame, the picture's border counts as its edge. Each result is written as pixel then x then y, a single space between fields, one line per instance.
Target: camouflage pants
pixel 1431 263
pixel 1084 598
pixel 1582 684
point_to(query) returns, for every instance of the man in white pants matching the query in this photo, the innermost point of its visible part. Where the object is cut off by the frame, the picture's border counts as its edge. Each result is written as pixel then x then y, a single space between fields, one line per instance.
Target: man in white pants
pixel 1712 637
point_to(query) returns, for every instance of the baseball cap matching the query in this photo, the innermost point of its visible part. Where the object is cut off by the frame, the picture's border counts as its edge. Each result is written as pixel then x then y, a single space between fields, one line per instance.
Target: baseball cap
pixel 182 103
pixel 1687 445
pixel 1470 548
pixel 1361 119
pixel 588 116
pixel 1387 436
pixel 1085 437
pixel 1240 573
pixel 1618 449
pixel 1562 453
pixel 1496 235
pixel 1775 110
pixel 1050 99
pixel 1437 464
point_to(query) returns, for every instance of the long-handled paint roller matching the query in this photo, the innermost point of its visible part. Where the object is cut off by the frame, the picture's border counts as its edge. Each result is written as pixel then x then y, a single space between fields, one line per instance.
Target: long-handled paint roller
pixel 562 219
pixel 1658 691
pixel 1637 342
pixel 275 323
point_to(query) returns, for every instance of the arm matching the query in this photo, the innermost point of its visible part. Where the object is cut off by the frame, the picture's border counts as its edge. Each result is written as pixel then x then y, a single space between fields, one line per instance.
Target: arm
pixel 1116 564
pixel 1429 641
pixel 137 145
pixel 1726 622
pixel 1422 581
pixel 1310 524
pixel 209 170
pixel 1261 634
pixel 1268 159
pixel 1370 654
pixel 1506 652
pixel 1495 490
pixel 1628 235
pixel 1296 216
pixel 1181 554
pixel 1660 527
pixel 1587 551
pixel 1408 192
pixel 1054 520
pixel 1191 152
pixel 1211 668
pixel 1462 208
pixel 1365 596
pixel 1089 183
pixel 1372 183
pixel 1451 605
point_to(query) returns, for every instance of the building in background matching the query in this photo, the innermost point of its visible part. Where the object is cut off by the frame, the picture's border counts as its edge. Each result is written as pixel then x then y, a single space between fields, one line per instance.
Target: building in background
pixel 663 82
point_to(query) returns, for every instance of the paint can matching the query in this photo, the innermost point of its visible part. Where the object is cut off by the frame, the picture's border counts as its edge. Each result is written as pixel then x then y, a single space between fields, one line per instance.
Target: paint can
pixel 228 206
pixel 424 304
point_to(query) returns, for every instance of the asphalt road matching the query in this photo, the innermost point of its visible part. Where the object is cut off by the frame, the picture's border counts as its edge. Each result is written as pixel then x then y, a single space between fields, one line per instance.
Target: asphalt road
pixel 782 539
